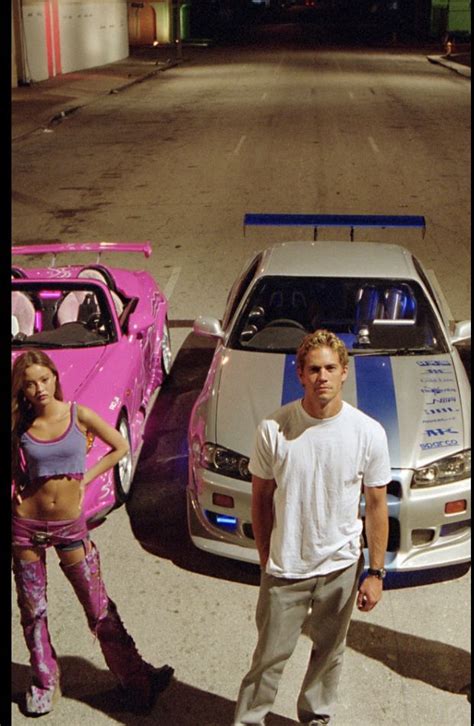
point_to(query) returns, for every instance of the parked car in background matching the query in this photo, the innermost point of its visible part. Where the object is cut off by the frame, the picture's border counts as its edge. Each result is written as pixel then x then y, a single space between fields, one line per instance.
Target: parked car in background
pixel 404 371
pixel 106 329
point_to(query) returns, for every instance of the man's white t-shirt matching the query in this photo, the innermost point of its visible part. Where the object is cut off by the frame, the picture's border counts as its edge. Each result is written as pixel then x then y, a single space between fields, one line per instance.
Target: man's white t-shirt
pixel 319 466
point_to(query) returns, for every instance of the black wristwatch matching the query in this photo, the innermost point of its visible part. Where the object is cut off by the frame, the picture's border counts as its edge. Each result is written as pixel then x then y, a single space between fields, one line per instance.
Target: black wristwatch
pixel 381 574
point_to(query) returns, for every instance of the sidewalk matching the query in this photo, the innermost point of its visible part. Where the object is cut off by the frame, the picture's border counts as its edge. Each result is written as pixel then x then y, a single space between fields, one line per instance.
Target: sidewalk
pixel 459 62
pixel 44 103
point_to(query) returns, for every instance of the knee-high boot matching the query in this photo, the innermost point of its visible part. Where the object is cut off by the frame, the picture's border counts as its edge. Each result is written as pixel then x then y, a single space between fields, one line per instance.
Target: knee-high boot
pixel 135 675
pixel 31 581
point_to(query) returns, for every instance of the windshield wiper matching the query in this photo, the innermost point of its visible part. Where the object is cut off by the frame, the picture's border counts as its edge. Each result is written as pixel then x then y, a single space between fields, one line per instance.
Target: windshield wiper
pixel 35 344
pixel 423 350
pixel 49 346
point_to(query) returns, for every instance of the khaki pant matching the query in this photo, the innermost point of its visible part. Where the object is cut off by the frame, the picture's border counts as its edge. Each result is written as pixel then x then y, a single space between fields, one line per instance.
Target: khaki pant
pixel 325 602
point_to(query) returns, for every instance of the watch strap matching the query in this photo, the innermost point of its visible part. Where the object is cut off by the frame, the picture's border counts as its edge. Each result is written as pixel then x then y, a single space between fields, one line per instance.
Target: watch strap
pixel 380 573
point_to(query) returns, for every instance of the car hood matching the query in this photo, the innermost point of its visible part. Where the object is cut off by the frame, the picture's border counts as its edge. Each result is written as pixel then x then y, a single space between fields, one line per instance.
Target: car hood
pixel 415 398
pixel 77 367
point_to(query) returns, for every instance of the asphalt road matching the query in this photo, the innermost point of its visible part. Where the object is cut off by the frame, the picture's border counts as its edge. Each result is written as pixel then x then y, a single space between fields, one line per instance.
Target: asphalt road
pixel 179 159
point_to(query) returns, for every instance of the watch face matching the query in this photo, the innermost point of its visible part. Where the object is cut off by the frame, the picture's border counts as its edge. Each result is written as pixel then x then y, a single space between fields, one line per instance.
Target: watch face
pixel 378 573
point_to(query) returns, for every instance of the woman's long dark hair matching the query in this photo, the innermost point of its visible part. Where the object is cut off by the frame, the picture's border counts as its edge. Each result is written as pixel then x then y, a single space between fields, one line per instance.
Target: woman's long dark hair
pixel 23 413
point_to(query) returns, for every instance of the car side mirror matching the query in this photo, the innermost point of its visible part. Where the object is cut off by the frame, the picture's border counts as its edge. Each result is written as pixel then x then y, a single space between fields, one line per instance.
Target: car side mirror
pixel 461 333
pixel 208 327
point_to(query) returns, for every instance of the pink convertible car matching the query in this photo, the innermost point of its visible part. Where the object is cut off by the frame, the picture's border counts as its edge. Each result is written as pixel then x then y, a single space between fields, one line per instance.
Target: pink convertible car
pixel 106 329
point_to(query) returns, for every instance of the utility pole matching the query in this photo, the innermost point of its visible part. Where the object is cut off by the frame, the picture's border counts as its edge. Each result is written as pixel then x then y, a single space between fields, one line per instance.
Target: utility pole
pixel 177 29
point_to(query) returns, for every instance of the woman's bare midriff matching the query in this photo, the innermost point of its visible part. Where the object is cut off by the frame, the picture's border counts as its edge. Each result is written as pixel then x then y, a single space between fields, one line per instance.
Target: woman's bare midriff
pixel 55 499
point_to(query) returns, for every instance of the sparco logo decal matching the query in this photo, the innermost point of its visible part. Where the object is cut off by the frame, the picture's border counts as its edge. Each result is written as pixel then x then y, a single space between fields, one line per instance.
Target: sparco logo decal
pixel 438 444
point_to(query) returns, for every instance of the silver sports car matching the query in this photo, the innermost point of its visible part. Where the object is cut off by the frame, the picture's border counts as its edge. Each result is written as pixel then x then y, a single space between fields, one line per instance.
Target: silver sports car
pixel 405 371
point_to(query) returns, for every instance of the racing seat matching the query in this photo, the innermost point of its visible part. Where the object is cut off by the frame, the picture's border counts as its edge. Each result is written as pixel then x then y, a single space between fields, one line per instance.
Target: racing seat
pixel 368 306
pixel 101 273
pixel 275 305
pixel 399 303
pixel 299 306
pixel 68 308
pixel 23 314
pixel 78 306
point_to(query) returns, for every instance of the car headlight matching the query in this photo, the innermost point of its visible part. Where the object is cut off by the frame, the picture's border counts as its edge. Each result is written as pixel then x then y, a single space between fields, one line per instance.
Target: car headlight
pixel 217 458
pixel 445 471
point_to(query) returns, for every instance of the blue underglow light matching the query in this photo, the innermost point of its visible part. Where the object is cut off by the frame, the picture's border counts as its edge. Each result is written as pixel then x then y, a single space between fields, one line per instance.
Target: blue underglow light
pixel 224 519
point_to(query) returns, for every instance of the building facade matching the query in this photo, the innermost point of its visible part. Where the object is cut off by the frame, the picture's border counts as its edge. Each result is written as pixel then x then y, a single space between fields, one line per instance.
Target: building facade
pixel 50 37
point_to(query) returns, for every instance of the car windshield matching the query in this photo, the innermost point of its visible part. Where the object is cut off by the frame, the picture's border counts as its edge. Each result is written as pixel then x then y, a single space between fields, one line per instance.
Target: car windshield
pixel 61 315
pixel 368 315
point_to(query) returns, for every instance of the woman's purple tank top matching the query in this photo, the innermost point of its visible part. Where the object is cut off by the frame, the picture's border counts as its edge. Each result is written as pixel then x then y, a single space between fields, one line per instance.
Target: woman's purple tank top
pixel 63 456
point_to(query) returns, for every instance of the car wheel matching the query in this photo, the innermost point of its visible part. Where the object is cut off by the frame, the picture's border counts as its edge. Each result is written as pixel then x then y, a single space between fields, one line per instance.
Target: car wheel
pixel 123 470
pixel 166 354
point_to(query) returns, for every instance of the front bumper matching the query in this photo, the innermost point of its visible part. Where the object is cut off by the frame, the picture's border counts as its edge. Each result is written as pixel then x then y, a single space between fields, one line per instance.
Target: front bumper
pixel 421 535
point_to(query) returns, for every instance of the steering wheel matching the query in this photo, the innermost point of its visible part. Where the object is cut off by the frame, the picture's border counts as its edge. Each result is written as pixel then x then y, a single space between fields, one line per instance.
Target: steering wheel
pixel 285 323
pixel 93 322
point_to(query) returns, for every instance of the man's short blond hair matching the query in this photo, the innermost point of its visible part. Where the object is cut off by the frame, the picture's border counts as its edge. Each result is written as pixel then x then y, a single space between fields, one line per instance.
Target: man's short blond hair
pixel 318 339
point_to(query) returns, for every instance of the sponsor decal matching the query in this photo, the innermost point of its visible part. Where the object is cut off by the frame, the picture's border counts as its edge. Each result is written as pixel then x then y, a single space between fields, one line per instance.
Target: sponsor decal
pixel 442 400
pixel 436 391
pixel 441 409
pixel 440 432
pixel 442 420
pixel 436 372
pixel 439 405
pixel 438 444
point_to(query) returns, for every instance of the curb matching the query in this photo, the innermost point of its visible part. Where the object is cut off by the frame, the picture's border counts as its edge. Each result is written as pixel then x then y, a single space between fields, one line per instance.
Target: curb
pixel 163 67
pixel 60 116
pixel 457 67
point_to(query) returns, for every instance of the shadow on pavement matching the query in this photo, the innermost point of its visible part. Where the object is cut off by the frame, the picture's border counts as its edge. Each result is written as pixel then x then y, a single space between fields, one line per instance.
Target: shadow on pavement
pixel 181 704
pixel 157 507
pixel 437 664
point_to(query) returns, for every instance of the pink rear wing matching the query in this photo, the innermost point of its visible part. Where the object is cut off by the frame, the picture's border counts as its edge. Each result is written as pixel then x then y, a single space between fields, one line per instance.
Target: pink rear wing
pixel 55 248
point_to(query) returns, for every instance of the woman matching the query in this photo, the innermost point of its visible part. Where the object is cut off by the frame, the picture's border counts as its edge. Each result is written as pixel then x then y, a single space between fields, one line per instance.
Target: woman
pixel 50 440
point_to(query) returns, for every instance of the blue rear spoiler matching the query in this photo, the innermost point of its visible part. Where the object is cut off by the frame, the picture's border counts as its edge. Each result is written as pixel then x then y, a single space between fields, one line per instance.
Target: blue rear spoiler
pixel 334 220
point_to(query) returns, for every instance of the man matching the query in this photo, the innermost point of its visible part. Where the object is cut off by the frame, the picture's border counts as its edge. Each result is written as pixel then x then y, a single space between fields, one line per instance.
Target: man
pixel 309 462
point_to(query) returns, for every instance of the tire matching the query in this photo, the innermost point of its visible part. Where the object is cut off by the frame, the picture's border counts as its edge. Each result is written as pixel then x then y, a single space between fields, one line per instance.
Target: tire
pixel 124 469
pixel 166 354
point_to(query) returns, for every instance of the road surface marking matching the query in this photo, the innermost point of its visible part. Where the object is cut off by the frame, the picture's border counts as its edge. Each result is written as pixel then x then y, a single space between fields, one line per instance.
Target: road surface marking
pixel 237 148
pixel 374 145
pixel 171 284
